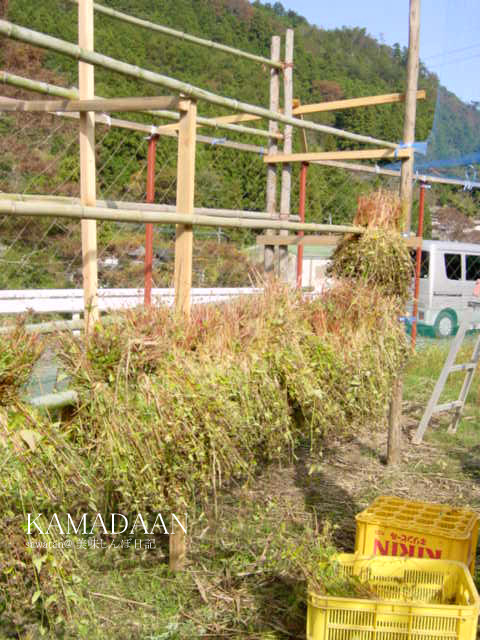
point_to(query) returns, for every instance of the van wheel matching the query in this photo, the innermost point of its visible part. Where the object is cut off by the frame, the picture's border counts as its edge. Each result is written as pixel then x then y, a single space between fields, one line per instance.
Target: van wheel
pixel 446 324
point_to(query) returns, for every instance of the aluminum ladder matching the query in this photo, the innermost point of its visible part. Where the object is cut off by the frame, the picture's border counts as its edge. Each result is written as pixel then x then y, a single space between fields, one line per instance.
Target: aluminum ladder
pixel 448 368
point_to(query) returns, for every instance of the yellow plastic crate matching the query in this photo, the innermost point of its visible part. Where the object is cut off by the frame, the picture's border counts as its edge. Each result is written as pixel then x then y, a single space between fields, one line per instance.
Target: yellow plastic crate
pixel 418 600
pixel 397 527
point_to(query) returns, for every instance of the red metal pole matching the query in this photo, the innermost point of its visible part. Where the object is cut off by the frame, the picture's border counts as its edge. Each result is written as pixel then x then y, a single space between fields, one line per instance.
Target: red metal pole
pixel 152 150
pixel 301 211
pixel 418 263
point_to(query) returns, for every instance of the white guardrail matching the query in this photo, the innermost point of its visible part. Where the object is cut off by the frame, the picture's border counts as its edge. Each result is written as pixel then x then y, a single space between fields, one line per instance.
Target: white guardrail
pixel 71 300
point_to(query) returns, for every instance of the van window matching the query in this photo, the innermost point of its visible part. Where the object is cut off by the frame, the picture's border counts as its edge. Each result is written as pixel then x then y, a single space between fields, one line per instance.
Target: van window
pixel 453 266
pixel 473 267
pixel 424 264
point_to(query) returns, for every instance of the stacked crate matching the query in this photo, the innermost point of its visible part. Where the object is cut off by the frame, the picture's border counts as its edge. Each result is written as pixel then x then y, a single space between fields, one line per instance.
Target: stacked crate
pixel 397 527
pixel 417 558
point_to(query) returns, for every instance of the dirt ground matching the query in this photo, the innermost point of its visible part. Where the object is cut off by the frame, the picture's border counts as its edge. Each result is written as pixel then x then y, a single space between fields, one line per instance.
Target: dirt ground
pixel 353 472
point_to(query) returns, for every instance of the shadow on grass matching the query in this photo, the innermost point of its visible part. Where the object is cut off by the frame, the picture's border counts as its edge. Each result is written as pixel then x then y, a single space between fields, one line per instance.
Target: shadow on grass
pixel 470 461
pixel 281 607
pixel 327 500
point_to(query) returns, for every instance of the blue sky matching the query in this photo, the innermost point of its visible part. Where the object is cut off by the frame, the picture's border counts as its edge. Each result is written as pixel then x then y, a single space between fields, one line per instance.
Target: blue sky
pixel 450 32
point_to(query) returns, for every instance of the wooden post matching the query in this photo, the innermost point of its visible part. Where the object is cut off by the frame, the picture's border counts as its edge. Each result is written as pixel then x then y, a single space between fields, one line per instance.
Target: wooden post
pixel 86 86
pixel 301 211
pixel 151 157
pixel 183 258
pixel 177 550
pixel 406 190
pixel 394 423
pixel 269 251
pixel 185 195
pixel 406 177
pixel 287 148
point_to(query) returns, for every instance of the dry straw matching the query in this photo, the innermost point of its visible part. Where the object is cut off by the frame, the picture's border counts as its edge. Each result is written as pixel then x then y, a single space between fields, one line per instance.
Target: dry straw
pixel 379 210
pixel 380 257
pixel 172 411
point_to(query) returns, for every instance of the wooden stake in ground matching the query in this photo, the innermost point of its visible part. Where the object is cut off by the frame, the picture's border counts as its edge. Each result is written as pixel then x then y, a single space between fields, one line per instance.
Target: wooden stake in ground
pixel 394 446
pixel 185 196
pixel 269 251
pixel 87 167
pixel 287 148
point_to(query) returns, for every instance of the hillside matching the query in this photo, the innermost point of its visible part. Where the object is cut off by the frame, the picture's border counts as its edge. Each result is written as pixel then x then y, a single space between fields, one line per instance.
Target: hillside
pixel 329 65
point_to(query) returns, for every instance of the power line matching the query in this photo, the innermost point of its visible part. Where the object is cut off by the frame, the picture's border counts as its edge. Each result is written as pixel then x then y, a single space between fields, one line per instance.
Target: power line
pixel 443 64
pixel 444 53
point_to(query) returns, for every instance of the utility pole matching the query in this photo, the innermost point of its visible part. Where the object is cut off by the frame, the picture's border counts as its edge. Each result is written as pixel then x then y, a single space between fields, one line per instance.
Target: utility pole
pixel 406 190
pixel 406 178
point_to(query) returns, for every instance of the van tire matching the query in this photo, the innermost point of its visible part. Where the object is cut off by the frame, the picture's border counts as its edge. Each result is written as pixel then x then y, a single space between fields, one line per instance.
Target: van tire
pixel 446 324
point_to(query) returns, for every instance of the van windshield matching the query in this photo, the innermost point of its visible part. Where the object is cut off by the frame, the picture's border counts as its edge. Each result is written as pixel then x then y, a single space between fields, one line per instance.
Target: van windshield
pixel 424 264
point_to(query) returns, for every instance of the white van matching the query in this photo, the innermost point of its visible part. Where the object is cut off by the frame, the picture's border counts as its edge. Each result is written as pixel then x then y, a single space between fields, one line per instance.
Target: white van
pixel 447 278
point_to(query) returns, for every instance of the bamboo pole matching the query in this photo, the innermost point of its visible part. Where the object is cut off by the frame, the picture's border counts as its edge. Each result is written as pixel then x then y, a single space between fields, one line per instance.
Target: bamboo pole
pixel 206 122
pixel 286 188
pixel 319 240
pixel 185 198
pixel 47 327
pixel 269 251
pixel 363 168
pixel 87 168
pixel 78 211
pixel 164 130
pixel 35 85
pixel 44 41
pixel 152 130
pixel 56 400
pixel 101 105
pixel 152 26
pixel 50 89
pixel 143 206
pixel 406 186
pixel 421 177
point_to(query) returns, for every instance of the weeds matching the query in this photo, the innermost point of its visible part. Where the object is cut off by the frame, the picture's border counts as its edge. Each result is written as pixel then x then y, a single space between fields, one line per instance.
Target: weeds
pixel 173 411
pixel 18 353
pixel 379 257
